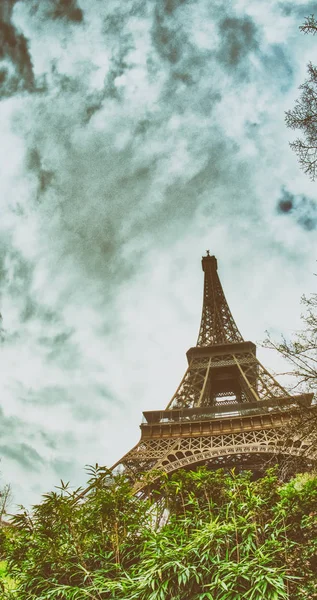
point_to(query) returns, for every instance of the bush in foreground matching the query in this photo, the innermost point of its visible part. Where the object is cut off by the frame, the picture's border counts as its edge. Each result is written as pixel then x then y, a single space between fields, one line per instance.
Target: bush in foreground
pixel 201 535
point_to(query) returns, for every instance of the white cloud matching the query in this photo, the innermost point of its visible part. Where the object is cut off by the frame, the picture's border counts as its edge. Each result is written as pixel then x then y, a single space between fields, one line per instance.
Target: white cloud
pixel 155 137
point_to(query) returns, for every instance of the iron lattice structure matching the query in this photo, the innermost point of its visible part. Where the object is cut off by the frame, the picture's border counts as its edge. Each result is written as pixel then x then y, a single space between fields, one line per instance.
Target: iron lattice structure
pixel 228 409
pixel 217 323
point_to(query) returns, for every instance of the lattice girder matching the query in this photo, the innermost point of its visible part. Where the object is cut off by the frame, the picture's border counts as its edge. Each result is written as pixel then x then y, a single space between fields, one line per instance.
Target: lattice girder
pixel 234 373
pixel 160 449
pixel 217 323
pixel 171 454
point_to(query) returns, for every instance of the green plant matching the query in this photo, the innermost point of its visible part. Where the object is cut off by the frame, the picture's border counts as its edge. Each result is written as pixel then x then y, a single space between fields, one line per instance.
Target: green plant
pixel 200 534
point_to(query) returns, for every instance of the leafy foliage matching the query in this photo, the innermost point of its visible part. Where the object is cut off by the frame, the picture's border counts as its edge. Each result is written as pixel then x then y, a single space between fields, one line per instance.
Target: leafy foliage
pixel 200 535
pixel 7 584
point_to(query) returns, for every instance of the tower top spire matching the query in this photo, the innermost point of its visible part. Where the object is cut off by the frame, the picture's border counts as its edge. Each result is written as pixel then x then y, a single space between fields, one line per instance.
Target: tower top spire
pixel 217 323
pixel 209 260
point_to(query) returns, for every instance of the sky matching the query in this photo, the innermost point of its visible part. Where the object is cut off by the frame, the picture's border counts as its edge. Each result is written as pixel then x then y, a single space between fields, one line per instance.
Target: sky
pixel 134 136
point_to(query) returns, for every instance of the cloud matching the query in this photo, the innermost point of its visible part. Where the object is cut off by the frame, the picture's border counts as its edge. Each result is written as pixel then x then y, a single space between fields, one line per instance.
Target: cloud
pixel 147 134
pixel 111 163
pixel 24 454
pixel 62 468
pixel 16 71
pixel 301 9
pixel 301 208
pixel 33 162
pixel 65 9
pixel 238 39
pixel 170 41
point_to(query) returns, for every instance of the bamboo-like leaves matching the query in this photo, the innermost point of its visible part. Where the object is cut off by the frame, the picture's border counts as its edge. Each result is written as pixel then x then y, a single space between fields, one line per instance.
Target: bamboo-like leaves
pixel 201 536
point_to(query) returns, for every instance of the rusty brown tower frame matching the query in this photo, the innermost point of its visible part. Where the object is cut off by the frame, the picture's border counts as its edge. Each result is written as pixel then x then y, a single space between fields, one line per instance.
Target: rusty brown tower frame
pixel 228 409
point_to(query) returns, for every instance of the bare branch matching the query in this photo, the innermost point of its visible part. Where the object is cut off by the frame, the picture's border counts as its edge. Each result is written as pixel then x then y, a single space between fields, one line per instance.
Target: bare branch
pixel 304 114
pixel 309 26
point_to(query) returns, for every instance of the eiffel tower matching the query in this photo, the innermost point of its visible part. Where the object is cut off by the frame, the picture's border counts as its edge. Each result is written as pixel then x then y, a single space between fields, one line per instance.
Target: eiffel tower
pixel 228 410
